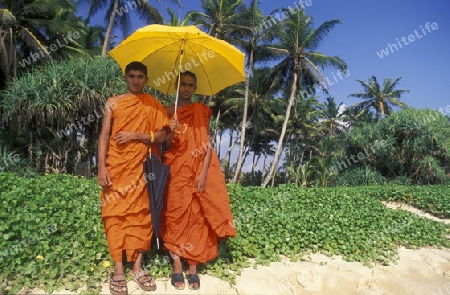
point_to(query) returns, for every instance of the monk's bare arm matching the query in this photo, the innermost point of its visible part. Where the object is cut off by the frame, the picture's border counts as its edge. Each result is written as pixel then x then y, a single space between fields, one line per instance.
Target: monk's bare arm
pixel 103 141
pixel 170 133
pixel 123 137
pixel 159 137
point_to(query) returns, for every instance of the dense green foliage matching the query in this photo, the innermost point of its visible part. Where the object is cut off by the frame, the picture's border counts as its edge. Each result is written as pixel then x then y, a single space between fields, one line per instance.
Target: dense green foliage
pixel 56 110
pixel 52 236
pixel 411 143
pixel 51 231
pixel 364 175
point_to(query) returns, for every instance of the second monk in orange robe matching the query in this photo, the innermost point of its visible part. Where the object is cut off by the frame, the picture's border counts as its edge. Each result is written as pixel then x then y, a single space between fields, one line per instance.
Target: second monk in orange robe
pixel 198 211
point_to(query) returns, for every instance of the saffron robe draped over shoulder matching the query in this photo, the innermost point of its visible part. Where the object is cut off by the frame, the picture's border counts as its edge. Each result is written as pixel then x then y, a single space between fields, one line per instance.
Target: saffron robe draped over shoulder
pixel 125 204
pixel 194 221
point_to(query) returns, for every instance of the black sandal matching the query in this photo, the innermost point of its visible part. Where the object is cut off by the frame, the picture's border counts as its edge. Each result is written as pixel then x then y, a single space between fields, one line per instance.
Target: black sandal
pixel 177 278
pixel 193 279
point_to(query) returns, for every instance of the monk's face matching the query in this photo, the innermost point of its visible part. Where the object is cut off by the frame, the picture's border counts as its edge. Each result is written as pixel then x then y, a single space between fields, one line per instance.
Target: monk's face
pixel 187 87
pixel 136 81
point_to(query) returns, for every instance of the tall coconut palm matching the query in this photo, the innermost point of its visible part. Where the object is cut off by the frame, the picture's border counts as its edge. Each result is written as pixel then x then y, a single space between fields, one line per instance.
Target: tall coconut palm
pixel 299 63
pixel 118 15
pixel 259 129
pixel 253 40
pixel 381 99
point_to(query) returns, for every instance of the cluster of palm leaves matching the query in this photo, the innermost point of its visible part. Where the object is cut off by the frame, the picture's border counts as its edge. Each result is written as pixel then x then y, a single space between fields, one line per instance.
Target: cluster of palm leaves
pixel 287 132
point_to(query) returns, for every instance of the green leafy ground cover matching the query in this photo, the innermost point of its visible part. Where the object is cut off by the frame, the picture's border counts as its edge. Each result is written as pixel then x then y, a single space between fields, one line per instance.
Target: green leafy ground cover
pixel 53 236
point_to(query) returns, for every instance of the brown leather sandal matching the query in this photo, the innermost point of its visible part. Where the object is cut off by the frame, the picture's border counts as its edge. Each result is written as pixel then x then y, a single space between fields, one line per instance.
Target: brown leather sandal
pixel 116 285
pixel 144 280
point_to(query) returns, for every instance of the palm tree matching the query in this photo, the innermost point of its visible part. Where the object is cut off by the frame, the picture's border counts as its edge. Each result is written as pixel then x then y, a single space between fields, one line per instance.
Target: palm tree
pixel 354 118
pixel 300 62
pixel 72 32
pixel 334 116
pixel 92 41
pixel 253 41
pixel 27 26
pixel 176 22
pixel 117 14
pixel 382 100
pixel 218 17
pixel 226 115
pixel 259 127
pixel 304 130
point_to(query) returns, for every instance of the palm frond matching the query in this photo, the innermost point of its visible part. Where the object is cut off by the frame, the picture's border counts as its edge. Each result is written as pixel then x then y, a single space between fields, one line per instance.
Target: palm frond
pixel 33 42
pixel 320 33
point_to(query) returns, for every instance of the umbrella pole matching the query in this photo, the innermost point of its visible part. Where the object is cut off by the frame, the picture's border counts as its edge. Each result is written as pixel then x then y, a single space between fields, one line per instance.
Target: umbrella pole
pixel 178 82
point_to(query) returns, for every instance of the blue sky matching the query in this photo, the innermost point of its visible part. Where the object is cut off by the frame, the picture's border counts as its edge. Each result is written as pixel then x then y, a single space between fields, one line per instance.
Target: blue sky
pixel 368 28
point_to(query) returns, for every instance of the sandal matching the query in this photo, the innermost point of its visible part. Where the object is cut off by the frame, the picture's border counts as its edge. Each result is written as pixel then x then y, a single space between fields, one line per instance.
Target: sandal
pixel 143 279
pixel 193 279
pixel 177 278
pixel 117 286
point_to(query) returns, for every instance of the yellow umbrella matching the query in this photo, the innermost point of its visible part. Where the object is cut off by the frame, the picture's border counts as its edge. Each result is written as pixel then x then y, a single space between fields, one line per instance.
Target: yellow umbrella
pixel 168 50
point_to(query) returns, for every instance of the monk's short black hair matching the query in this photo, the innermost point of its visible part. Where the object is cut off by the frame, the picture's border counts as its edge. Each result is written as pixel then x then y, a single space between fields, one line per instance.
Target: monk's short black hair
pixel 136 66
pixel 187 73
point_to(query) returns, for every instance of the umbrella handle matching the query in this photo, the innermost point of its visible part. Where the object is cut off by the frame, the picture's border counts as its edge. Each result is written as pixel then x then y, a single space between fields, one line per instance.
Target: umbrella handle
pixel 183 131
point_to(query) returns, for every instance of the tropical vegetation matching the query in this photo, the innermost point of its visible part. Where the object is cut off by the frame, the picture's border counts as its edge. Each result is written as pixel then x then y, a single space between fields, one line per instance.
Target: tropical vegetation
pixel 317 159
pixel 284 131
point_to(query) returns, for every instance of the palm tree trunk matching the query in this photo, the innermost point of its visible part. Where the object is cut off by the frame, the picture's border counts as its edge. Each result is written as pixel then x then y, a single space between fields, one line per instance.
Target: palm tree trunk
pixel 13 59
pixel 214 133
pixel 246 153
pixel 218 145
pixel 290 157
pixel 283 131
pixel 253 163
pixel 244 121
pixel 110 25
pixel 230 148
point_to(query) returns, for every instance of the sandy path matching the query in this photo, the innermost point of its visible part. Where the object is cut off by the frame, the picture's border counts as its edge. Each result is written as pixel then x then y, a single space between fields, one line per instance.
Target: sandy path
pixel 417 272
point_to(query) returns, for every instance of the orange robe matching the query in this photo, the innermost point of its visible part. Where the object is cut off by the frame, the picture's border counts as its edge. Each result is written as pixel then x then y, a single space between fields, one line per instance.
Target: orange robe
pixel 195 221
pixel 125 204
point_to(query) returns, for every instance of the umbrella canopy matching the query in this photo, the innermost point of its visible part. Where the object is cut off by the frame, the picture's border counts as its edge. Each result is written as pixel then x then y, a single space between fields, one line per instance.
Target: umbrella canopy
pixel 168 50
pixel 156 175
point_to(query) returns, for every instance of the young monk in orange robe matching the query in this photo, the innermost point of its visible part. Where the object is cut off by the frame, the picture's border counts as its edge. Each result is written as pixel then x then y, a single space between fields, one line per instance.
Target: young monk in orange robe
pixel 131 123
pixel 198 211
